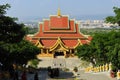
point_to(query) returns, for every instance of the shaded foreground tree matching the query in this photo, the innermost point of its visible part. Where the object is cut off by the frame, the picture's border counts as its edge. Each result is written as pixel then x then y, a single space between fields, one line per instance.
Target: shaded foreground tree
pixel 104 48
pixel 10 31
pixel 13 47
pixel 116 18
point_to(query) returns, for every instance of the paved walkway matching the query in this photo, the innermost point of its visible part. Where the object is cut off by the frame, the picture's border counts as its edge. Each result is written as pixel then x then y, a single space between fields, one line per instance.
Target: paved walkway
pixel 94 76
pixel 69 76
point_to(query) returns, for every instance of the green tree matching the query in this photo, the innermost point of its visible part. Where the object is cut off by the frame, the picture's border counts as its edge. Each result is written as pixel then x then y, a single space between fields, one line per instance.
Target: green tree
pixel 26 51
pixel 10 31
pixel 33 63
pixel 3 9
pixel 104 48
pixel 86 52
pixel 114 49
pixel 99 42
pixel 13 47
pixel 116 18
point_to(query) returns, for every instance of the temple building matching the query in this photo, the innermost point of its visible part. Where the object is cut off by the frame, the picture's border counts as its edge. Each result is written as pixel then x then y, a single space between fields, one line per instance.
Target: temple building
pixel 58 36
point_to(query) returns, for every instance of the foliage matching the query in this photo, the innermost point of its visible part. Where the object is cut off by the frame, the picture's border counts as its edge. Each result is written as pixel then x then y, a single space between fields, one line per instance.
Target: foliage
pixel 25 52
pixel 13 47
pixel 93 31
pixel 84 50
pixel 116 18
pixel 18 53
pixel 32 30
pixel 33 63
pixel 104 48
pixel 3 8
pixel 10 31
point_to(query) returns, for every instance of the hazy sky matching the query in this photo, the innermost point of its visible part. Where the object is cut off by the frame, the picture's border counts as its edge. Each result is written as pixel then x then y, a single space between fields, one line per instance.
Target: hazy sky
pixel 43 8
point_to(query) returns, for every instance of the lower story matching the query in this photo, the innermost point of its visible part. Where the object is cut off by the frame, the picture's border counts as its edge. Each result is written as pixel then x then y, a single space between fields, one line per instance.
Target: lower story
pixel 57 53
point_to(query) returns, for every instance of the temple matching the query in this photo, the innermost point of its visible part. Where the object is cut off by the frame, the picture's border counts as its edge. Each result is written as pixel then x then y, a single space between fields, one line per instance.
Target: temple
pixel 58 36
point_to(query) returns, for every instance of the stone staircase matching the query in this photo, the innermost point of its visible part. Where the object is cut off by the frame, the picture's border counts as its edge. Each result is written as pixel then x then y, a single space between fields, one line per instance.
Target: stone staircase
pixel 45 62
pixel 72 62
pixel 59 62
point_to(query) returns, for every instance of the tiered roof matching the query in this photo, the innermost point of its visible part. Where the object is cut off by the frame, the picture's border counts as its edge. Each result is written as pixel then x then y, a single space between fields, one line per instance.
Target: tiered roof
pixel 59 30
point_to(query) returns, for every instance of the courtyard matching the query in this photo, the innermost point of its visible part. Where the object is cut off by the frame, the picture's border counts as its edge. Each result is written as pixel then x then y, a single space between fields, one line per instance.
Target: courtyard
pixel 43 75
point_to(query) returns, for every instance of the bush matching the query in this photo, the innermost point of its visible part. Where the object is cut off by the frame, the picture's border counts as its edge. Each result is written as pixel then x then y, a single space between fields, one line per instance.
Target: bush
pixel 75 69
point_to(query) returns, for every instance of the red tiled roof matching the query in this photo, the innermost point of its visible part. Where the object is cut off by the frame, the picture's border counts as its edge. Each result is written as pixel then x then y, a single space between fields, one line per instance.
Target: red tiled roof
pixel 57 22
pixel 67 42
pixel 60 34
pixel 67 30
pixel 71 27
pixel 84 42
pixel 70 43
pixel 48 43
pixel 46 25
pixel 51 42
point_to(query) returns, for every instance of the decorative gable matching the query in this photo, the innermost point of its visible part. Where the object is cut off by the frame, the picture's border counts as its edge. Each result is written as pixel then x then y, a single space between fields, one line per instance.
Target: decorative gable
pixel 38 44
pixel 59 46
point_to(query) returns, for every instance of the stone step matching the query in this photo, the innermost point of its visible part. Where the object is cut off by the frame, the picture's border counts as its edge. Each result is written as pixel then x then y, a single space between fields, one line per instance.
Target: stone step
pixel 60 62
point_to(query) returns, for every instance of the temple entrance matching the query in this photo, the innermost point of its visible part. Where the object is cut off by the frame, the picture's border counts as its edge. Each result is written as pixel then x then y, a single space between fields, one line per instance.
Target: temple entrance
pixel 58 54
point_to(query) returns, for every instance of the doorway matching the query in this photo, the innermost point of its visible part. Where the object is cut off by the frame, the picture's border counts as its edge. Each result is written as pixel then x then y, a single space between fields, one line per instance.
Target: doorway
pixel 57 54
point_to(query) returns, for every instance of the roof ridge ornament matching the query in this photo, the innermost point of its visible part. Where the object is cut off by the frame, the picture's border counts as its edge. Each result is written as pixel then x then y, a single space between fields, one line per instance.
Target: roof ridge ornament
pixel 59 12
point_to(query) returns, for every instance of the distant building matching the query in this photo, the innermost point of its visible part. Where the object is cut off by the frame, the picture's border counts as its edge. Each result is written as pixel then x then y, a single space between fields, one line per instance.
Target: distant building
pixel 58 36
pixel 95 24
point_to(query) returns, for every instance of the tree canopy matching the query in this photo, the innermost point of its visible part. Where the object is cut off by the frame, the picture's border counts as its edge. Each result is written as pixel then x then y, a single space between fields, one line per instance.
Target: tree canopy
pixel 13 47
pixel 10 31
pixel 3 9
pixel 104 48
pixel 116 18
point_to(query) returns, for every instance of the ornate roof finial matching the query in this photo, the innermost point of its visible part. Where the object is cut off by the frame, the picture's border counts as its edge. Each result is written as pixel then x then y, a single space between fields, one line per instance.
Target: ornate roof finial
pixel 59 13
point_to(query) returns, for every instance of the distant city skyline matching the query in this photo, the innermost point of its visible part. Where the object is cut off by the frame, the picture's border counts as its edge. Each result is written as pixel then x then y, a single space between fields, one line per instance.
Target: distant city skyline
pixel 86 9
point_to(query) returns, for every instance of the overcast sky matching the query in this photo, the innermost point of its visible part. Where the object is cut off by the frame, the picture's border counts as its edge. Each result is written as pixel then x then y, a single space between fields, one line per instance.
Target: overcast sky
pixel 44 8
